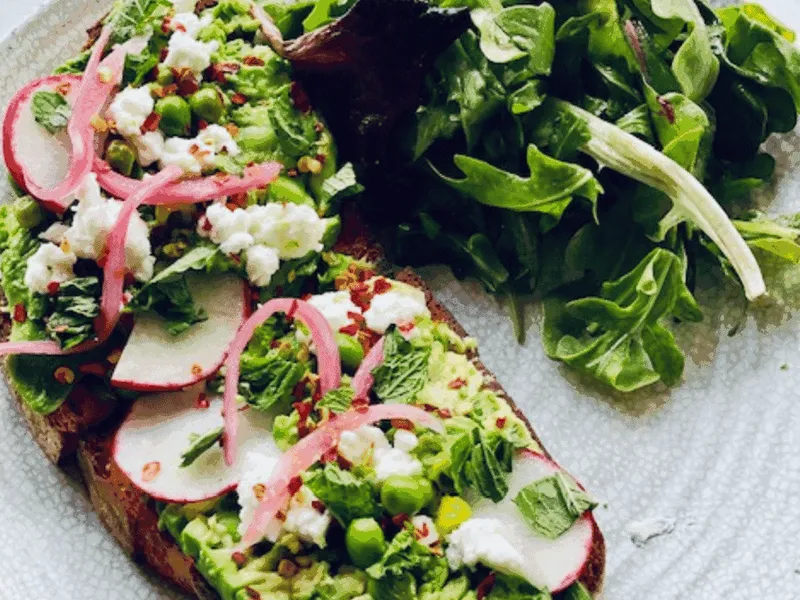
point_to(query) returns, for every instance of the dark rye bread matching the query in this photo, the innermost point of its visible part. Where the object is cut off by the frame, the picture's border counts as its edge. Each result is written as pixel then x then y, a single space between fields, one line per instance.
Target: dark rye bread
pixel 131 517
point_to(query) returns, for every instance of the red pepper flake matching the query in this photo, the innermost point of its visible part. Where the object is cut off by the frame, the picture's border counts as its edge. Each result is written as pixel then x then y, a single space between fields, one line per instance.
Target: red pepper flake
pixel 20 314
pixel 197 370
pixel 163 54
pixel 294 485
pixel 428 408
pixel 357 317
pixel 166 25
pixel 329 456
pixel 422 532
pixel 292 172
pixel 319 127
pixel 318 506
pixel 300 98
pixel 402 424
pixel 219 71
pixel 366 274
pixel 360 405
pixel 343 463
pixel 400 520
pixel 351 329
pixel 165 90
pixel 252 594
pixel 180 27
pixel 201 124
pixel 292 310
pixel 501 422
pixel 185 81
pixel 321 158
pixel 303 410
pixel 239 558
pixel 240 200
pixel 151 122
pixel 260 491
pixel 239 99
pixel 407 327
pixel 150 471
pixel 202 401
pixel 53 287
pixel 281 516
pixel 457 383
pixel 96 368
pixel 485 586
pixel 444 413
pixel 381 286
pixel 64 88
pixel 64 375
pixel 253 61
pixel 362 299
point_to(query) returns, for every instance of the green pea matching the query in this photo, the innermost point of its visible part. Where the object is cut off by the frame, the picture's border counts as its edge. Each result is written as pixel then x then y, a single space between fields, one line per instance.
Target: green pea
pixel 207 105
pixel 365 542
pixel 164 76
pixel 176 117
pixel 350 350
pixel 28 212
pixel 257 139
pixel 404 494
pixel 121 157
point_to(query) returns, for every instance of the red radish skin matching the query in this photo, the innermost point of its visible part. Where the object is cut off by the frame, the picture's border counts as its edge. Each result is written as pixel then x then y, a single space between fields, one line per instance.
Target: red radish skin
pixel 195 190
pixel 154 360
pixel 328 359
pixel 156 432
pixel 312 448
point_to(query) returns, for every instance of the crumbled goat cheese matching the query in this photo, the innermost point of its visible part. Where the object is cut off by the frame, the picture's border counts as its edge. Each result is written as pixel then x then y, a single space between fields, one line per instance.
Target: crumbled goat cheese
pixel 47 265
pixel 336 307
pixel 256 470
pixel 55 233
pixel 229 228
pixel 304 520
pixel 425 530
pixel 359 446
pixel 405 440
pixel 185 52
pixel 190 23
pixel 395 462
pixel 293 230
pixel 262 264
pixel 399 305
pixel 485 541
pixel 198 154
pixel 149 147
pixel 130 110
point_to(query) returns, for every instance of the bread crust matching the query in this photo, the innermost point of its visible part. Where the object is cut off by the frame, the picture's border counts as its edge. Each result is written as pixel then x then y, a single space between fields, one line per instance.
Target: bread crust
pixel 130 516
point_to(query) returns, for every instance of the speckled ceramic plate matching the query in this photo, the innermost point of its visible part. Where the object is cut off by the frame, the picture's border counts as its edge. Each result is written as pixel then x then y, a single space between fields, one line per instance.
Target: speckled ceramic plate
pixel 702 484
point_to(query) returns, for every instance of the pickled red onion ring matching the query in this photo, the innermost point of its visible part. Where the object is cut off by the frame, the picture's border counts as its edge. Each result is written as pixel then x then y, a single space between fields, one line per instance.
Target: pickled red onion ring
pixel 114 269
pixel 328 360
pixel 363 380
pixel 191 190
pixel 312 448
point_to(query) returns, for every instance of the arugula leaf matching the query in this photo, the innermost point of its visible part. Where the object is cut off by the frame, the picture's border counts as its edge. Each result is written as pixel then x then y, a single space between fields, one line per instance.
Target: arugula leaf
pixel 345 495
pixel 131 18
pixel 618 338
pixel 775 237
pixel 139 66
pixel 75 307
pixel 552 505
pixel 519 32
pixel 637 122
pixel 404 371
pixel 338 400
pixel 295 131
pixel 51 111
pixel 695 65
pixel 199 445
pixel 549 189
pixel 527 98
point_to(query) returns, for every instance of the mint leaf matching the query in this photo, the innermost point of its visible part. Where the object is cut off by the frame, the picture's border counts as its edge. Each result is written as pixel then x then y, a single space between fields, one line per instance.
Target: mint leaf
pixel 344 494
pixel 270 379
pixel 338 400
pixel 553 504
pixel 51 111
pixel 75 307
pixel 200 445
pixel 404 556
pixel 404 371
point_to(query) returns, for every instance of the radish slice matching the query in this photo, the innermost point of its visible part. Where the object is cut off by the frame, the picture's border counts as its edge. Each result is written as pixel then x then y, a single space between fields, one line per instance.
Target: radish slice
pixel 114 269
pixel 328 362
pixel 363 380
pixel 150 441
pixel 190 191
pixel 552 564
pixel 32 153
pixel 312 448
pixel 154 360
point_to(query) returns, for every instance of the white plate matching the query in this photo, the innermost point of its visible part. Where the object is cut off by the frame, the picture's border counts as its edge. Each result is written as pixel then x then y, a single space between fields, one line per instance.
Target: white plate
pixel 717 460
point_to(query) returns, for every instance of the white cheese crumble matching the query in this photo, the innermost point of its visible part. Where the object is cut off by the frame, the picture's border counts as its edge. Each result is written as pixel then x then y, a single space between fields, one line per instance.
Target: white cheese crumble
pixel 130 110
pixel 229 228
pixel 485 541
pixel 399 305
pixel 293 230
pixel 149 147
pixel 95 217
pixel 425 530
pixel 198 154
pixel 47 265
pixel 185 52
pixel 335 307
pixel 304 520
pixel 55 233
pixel 359 446
pixel 255 471
pixel 395 462
pixel 190 23
pixel 405 440
pixel 262 264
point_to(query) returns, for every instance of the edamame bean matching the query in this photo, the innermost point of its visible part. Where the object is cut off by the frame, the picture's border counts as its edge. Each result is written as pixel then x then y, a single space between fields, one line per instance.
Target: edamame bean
pixel 121 157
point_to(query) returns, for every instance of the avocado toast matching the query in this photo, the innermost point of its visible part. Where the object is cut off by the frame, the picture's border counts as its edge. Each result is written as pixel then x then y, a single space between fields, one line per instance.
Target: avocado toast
pixel 366 426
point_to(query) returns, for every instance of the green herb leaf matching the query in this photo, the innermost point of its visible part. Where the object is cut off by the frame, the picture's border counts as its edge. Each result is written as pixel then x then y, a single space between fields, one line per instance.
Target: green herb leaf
pixel 404 371
pixel 549 189
pixel 338 400
pixel 577 591
pixel 51 111
pixel 130 18
pixel 343 493
pixel 553 504
pixel 75 307
pixel 519 32
pixel 200 445
pixel 404 556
